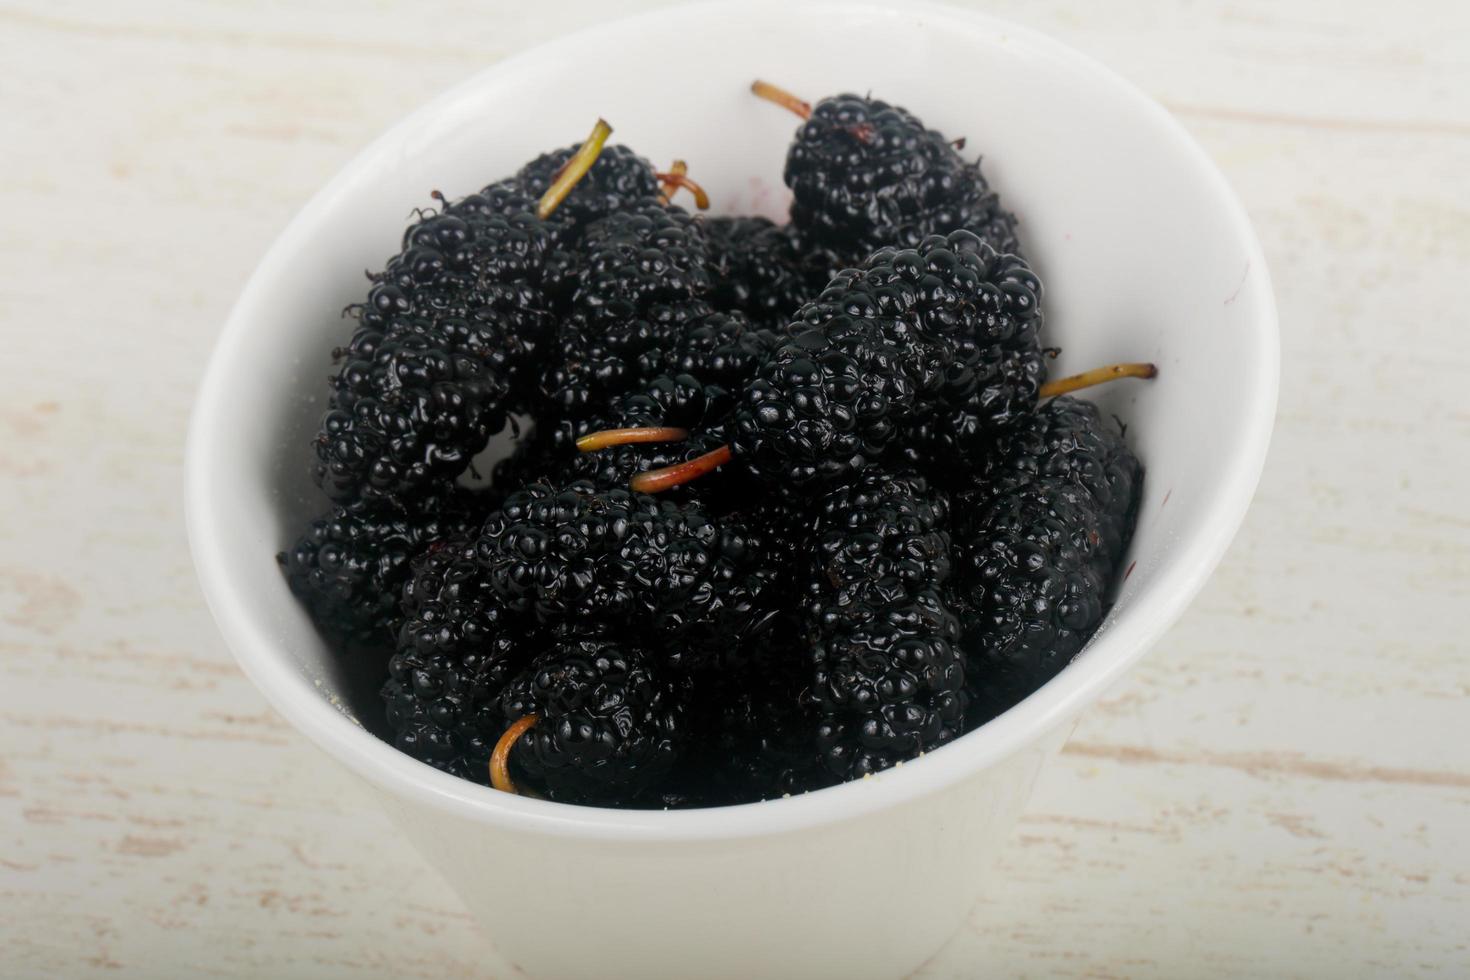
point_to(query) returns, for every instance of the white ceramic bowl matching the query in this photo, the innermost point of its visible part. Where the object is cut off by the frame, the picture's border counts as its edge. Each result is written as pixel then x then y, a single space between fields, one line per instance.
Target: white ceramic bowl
pixel 1146 255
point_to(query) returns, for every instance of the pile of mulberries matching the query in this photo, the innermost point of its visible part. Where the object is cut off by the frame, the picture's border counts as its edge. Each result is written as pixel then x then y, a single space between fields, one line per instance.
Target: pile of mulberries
pixel 787 504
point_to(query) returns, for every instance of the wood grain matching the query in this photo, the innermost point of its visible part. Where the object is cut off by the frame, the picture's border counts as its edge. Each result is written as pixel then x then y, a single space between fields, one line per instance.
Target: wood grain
pixel 1282 789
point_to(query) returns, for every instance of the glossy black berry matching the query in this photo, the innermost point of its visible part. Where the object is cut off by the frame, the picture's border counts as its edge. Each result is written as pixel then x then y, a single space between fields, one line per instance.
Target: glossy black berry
pixel 445 349
pixel 457 649
pixel 411 405
pixel 641 282
pixel 986 307
pixel 619 180
pixel 1039 540
pixel 888 675
pixel 609 723
pixel 866 175
pixel 764 270
pixel 350 564
pixel 832 398
pixel 576 553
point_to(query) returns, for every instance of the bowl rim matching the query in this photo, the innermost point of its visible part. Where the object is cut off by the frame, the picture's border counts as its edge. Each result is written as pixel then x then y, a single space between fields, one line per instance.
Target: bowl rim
pixel 1111 651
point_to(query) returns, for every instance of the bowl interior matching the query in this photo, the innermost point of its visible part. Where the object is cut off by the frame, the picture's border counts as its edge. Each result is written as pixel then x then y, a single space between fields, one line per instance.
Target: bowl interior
pixel 1143 252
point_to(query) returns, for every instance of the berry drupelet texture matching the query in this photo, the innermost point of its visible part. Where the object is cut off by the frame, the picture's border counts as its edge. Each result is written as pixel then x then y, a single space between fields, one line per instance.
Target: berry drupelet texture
pixel 722 348
pixel 923 353
pixel 908 545
pixel 618 180
pixel 1068 443
pixel 457 649
pixel 489 251
pixel 733 611
pixel 350 565
pixel 549 455
pixel 609 722
pixel 703 369
pixel 705 372
pixel 554 553
pixel 444 349
pixel 831 399
pixel 1039 540
pixel 866 174
pixel 888 676
pixel 986 307
pixel 764 270
pixel 651 578
pixel 706 368
pixel 411 405
pixel 886 524
pixel 640 284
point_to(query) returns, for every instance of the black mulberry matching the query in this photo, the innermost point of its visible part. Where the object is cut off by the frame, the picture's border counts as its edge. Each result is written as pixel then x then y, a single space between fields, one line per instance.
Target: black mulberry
pixel 865 175
pixel 447 340
pixel 608 724
pixel 888 676
pixel 1039 542
pixel 350 565
pixel 640 284
pixel 833 397
pixel 557 553
pixel 986 307
pixel 457 649
pixel 410 407
pixel 619 180
pixel 764 270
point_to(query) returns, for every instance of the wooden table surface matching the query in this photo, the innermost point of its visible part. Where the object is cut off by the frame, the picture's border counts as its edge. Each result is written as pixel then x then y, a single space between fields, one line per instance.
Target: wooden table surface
pixel 1281 789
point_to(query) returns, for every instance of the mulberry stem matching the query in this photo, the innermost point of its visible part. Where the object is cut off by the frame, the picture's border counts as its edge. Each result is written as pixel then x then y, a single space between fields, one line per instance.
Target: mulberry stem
pixel 669 180
pixel 608 438
pixel 656 481
pixel 782 98
pixel 676 177
pixel 500 757
pixel 1096 376
pixel 574 169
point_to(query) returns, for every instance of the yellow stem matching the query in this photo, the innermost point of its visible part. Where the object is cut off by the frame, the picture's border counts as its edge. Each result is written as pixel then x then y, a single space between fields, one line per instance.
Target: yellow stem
pixel 500 757
pixel 574 170
pixel 655 481
pixel 1097 376
pixel 782 98
pixel 608 438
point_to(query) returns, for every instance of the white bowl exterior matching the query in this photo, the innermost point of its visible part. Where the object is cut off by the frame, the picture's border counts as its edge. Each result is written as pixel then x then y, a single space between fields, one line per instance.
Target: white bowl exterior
pixel 872 896
pixel 1146 256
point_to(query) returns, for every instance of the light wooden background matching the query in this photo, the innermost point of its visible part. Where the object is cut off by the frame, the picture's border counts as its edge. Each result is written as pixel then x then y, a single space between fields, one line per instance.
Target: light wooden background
pixel 1281 789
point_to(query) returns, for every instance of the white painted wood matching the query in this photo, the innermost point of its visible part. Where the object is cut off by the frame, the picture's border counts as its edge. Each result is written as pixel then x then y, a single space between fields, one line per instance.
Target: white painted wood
pixel 1281 789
